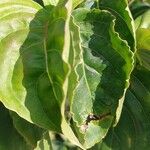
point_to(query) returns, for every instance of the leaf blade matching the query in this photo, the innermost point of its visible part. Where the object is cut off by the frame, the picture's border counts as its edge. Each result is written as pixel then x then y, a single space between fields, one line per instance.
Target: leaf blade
pixel 90 23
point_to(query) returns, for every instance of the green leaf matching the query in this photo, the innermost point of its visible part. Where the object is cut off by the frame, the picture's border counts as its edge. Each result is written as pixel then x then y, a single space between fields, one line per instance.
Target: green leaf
pixel 13 91
pixel 104 66
pixel 35 81
pixel 44 70
pixel 124 24
pixel 143 47
pixel 32 85
pixel 10 139
pixel 30 132
pixel 12 24
pixel 133 130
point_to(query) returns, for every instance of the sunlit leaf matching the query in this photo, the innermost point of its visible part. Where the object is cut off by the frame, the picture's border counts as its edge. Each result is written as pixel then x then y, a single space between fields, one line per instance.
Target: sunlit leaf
pixel 50 2
pixel 30 46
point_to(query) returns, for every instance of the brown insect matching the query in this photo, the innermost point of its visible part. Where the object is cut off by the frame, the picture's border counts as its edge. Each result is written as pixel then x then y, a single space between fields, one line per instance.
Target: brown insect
pixel 93 117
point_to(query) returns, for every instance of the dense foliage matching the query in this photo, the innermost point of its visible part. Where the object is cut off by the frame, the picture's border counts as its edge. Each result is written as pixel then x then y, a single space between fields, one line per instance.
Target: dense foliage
pixel 75 74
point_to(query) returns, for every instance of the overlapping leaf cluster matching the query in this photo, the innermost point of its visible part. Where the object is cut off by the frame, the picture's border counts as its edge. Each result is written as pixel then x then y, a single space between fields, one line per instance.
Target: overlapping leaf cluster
pixel 69 60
